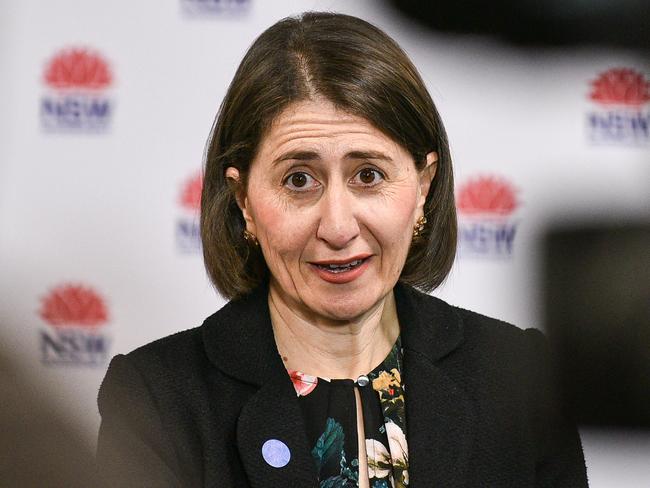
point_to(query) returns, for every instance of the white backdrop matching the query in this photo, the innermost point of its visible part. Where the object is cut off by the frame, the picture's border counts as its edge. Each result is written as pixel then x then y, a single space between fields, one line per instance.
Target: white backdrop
pixel 106 107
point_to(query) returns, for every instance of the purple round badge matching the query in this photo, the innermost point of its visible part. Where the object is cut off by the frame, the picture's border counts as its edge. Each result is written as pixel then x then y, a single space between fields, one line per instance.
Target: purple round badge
pixel 276 453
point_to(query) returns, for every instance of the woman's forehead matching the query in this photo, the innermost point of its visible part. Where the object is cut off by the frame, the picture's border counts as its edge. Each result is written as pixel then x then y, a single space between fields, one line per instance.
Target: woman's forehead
pixel 318 126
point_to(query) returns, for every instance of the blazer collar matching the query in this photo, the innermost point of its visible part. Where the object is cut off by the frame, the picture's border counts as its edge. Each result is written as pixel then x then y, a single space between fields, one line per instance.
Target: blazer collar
pixel 429 326
pixel 239 338
pixel 239 341
pixel 440 416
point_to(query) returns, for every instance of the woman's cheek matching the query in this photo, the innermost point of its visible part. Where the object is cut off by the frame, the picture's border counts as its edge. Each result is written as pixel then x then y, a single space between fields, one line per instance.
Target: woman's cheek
pixel 269 209
pixel 392 210
pixel 283 227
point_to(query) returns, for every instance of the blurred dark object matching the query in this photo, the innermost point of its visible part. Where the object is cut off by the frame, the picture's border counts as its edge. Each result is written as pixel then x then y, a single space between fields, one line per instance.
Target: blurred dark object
pixel 624 23
pixel 597 307
pixel 40 446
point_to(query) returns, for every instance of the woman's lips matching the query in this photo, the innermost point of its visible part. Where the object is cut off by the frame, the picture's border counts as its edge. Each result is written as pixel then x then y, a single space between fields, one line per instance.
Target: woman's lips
pixel 341 271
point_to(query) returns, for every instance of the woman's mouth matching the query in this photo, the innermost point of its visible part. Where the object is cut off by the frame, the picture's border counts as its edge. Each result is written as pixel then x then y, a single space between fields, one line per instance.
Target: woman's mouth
pixel 340 268
pixel 341 271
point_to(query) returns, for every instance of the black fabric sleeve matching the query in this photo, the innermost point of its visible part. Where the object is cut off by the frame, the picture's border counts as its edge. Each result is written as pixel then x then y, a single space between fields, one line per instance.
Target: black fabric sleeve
pixel 133 448
pixel 560 460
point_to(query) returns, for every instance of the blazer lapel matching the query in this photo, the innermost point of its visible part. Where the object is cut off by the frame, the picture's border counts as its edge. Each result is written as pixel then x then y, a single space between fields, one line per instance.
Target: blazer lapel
pixel 272 441
pixel 439 414
pixel 271 432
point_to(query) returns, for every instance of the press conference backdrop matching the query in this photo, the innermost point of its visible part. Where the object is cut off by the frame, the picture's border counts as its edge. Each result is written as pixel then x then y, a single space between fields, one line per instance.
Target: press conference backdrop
pixel 106 107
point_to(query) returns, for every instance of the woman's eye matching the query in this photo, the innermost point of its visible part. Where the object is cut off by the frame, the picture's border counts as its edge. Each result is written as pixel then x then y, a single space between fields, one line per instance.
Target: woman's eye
pixel 299 181
pixel 368 177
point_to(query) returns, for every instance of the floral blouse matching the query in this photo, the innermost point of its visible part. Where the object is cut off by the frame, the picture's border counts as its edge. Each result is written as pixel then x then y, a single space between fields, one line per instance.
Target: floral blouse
pixel 329 408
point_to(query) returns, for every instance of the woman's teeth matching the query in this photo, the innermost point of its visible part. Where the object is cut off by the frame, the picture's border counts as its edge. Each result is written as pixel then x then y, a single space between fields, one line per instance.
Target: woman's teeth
pixel 338 268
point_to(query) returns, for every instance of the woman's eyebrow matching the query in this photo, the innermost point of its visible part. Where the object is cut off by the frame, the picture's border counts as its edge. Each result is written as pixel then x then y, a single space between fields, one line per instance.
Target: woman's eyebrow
pixel 368 155
pixel 299 155
pixel 302 155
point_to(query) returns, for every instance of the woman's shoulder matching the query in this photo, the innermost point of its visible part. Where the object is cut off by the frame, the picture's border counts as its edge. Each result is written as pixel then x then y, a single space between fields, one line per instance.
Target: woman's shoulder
pixel 185 344
pixel 479 325
pixel 160 362
pixel 503 346
pixel 168 349
pixel 430 308
pixel 490 358
pixel 494 348
pixel 468 333
pixel 191 352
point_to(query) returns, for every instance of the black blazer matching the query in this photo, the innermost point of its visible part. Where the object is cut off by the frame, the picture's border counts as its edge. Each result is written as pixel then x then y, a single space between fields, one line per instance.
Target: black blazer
pixel 194 408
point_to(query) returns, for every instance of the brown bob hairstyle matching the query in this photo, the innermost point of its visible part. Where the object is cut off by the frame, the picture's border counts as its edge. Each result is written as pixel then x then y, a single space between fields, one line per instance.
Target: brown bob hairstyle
pixel 362 71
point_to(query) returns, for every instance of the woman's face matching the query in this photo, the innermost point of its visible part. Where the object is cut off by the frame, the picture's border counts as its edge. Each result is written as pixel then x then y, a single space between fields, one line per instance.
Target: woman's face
pixel 332 201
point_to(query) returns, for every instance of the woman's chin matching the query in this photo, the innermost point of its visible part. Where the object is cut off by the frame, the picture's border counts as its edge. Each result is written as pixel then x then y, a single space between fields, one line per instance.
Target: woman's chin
pixel 348 308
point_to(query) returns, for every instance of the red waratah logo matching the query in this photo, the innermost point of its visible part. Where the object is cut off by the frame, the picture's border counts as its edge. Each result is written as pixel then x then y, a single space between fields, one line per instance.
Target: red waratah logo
pixel 77 68
pixel 74 306
pixel 486 195
pixel 190 197
pixel 620 86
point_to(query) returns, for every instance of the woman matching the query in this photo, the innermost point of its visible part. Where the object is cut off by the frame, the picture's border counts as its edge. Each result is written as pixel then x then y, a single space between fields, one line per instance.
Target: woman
pixel 328 196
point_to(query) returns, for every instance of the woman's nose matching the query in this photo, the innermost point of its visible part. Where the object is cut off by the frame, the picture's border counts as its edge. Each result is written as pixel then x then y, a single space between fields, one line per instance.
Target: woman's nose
pixel 338 224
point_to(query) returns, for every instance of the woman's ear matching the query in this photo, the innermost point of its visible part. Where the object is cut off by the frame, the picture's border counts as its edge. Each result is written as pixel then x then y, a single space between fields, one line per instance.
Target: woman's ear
pixel 426 177
pixel 234 181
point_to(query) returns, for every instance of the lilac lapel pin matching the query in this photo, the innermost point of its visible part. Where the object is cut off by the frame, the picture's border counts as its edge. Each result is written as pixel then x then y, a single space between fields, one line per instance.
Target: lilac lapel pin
pixel 276 453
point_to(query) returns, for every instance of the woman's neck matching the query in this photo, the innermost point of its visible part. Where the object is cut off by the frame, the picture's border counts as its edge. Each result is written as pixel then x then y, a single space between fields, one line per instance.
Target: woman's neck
pixel 329 348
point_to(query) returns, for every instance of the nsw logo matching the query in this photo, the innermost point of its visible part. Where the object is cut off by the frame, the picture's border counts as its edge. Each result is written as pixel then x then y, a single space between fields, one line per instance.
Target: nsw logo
pixel 76 317
pixel 621 113
pixel 77 82
pixel 486 228
pixel 188 235
pixel 214 7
